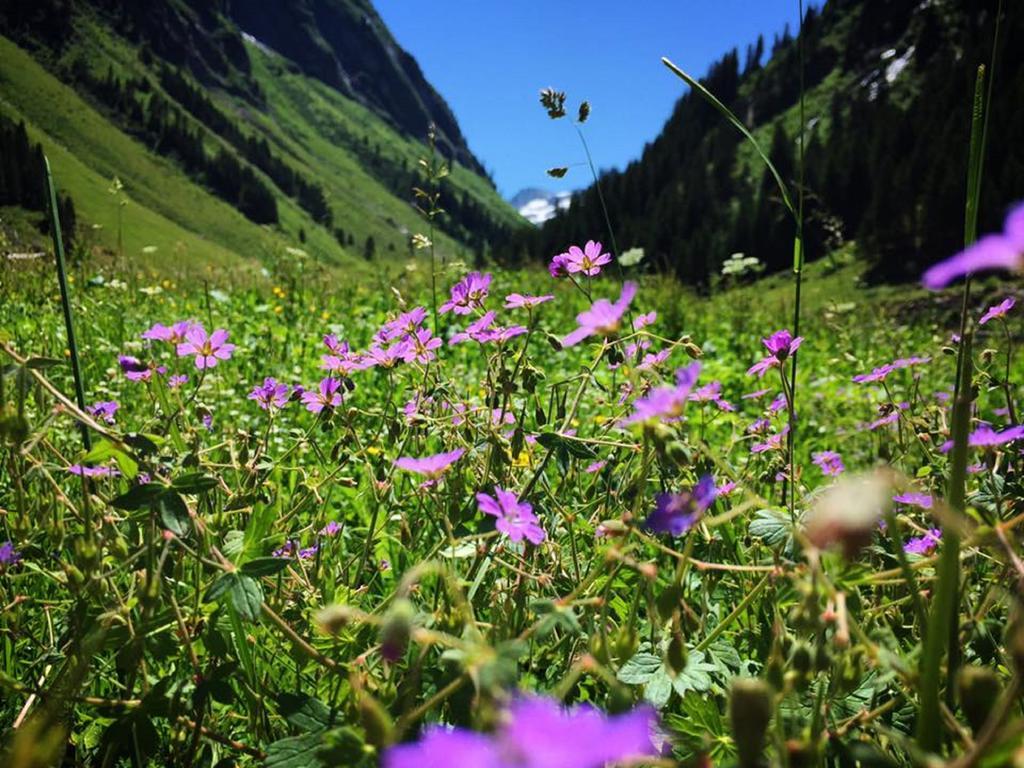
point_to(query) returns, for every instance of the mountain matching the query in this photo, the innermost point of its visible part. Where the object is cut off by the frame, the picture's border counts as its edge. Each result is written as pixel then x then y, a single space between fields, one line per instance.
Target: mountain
pixel 236 128
pixel 538 205
pixel 888 93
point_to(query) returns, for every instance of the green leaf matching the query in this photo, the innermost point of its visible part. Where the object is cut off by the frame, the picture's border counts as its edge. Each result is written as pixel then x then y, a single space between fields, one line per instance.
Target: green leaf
pixel 295 752
pixel 658 689
pixel 639 669
pixel 770 526
pixel 304 712
pixel 704 93
pixel 194 482
pixel 694 676
pixel 42 363
pixel 219 588
pixel 138 496
pixel 246 596
pixel 554 441
pixel 173 513
pixel 264 566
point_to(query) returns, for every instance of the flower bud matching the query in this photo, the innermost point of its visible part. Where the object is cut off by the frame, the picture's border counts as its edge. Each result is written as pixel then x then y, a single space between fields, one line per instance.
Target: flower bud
pixel 978 689
pixel 376 722
pixel 750 712
pixel 677 653
pixel 397 628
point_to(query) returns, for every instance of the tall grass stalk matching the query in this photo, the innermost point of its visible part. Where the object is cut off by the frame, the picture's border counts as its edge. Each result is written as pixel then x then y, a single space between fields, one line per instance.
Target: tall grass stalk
pixel 798 271
pixel 65 299
pixel 943 625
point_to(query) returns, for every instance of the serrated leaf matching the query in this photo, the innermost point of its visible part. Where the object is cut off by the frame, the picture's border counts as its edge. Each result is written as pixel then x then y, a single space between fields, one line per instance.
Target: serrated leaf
pixel 304 712
pixel 658 689
pixel 557 442
pixel 138 496
pixel 173 513
pixel 234 542
pixel 194 482
pixel 246 596
pixel 770 526
pixel 264 566
pixel 295 752
pixel 639 669
pixel 694 676
pixel 219 588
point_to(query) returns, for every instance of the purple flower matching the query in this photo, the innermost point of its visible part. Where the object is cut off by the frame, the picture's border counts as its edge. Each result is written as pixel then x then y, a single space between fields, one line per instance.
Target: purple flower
pixel 515 518
pixel 653 359
pixel 914 499
pixel 8 555
pixel 431 466
pixel 525 300
pixel 642 321
pixel 588 261
pixel 890 418
pixel 777 404
pixel 467 294
pixel 602 318
pixel 755 395
pixel 325 396
pixel 177 380
pixel 475 331
pixel 830 462
pixel 208 350
pixel 666 402
pixel 334 345
pixel 442 747
pixel 597 466
pixel 385 357
pixel 675 513
pixel 773 443
pixel 999 310
pixel 907 362
pixel 174 334
pixel 403 325
pixel 878 374
pixel 711 393
pixel 780 345
pixel 559 265
pixel 136 370
pixel 420 346
pixel 1001 251
pixel 331 529
pixel 84 471
pixel 985 437
pixel 923 545
pixel 541 733
pixel 104 409
pixel 270 394
pixel 537 733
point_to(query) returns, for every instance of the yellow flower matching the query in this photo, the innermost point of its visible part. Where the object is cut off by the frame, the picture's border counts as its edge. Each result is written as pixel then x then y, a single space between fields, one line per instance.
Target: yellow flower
pixel 373 450
pixel 278 309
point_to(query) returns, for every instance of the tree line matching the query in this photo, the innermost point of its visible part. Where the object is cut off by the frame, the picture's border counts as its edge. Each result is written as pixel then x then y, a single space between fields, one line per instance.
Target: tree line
pixel 23 178
pixel 885 162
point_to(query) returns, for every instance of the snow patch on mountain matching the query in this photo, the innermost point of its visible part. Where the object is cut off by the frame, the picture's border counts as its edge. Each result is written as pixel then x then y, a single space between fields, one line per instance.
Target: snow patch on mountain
pixel 538 205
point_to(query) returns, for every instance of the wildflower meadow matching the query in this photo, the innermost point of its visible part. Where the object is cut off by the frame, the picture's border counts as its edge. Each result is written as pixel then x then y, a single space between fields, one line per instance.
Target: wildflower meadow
pixel 469 516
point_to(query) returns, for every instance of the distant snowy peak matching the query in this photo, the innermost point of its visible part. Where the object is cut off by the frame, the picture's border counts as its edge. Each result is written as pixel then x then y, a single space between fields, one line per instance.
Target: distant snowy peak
pixel 538 205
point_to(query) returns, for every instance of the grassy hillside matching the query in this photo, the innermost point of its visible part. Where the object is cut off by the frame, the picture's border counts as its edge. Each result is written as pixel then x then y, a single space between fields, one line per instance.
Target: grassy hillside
pixel 173 217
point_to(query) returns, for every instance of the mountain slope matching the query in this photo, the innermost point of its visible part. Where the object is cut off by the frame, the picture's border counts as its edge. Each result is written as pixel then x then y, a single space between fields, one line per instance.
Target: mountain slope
pixel 888 95
pixel 228 141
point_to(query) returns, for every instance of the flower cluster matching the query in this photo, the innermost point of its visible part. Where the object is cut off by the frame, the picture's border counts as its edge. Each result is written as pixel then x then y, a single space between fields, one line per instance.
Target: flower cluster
pixel 536 733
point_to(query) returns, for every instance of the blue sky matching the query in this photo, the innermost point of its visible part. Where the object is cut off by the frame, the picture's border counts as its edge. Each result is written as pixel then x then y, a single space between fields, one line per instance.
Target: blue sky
pixel 490 58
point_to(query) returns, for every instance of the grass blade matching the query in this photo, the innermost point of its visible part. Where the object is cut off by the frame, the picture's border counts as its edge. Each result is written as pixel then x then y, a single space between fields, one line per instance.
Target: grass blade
pixel 705 94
